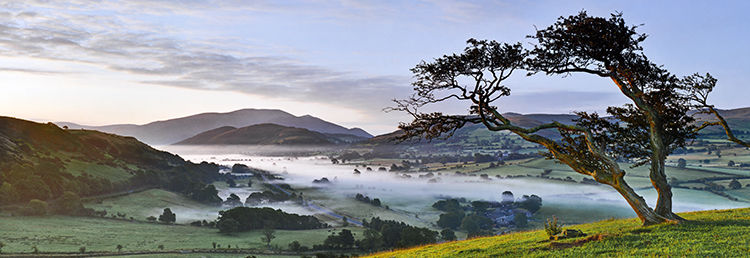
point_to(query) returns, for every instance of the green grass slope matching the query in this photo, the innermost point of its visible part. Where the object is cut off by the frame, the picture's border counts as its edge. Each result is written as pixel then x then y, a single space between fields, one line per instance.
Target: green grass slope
pixel 41 161
pixel 717 233
pixel 151 202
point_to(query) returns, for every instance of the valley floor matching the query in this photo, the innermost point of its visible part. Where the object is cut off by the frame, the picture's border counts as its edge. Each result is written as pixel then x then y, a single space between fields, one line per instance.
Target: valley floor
pixel 62 234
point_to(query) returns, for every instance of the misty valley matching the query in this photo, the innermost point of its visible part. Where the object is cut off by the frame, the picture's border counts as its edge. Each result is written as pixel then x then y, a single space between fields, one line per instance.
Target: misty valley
pixel 338 129
pixel 336 198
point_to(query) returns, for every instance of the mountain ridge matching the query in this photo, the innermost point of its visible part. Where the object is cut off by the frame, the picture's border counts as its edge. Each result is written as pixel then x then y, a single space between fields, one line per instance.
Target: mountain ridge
pixel 738 119
pixel 171 131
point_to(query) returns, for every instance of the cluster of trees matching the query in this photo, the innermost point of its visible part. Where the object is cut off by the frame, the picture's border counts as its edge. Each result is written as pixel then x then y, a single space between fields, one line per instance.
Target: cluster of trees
pixel 167 216
pixel 267 196
pixel 476 218
pixel 238 168
pixel 379 235
pixel 233 200
pixel 343 240
pixel 405 166
pixel 47 180
pixel 476 157
pixel 443 159
pixel 481 158
pixel 393 234
pixel 734 184
pixel 67 204
pixel 245 218
pixel 455 217
pixel 322 180
pixel 366 199
pixel 348 156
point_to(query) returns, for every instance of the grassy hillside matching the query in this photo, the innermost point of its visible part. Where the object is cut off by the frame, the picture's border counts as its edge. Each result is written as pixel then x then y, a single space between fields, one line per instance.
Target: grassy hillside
pixel 717 233
pixel 151 203
pixel 41 161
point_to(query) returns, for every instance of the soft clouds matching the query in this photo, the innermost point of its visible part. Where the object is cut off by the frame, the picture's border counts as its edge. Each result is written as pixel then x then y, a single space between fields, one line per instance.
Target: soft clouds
pixel 347 55
pixel 101 39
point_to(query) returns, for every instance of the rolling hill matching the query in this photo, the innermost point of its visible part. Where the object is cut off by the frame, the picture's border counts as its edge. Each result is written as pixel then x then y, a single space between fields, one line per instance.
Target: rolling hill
pixel 41 161
pixel 178 129
pixel 261 134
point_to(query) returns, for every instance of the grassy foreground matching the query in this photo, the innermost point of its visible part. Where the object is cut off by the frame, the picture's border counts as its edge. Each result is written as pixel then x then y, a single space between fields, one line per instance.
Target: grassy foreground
pixel 68 234
pixel 716 233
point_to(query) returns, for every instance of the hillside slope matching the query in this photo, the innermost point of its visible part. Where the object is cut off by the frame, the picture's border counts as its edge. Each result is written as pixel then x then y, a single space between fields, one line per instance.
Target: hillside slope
pixel 41 161
pixel 262 134
pixel 174 130
pixel 716 233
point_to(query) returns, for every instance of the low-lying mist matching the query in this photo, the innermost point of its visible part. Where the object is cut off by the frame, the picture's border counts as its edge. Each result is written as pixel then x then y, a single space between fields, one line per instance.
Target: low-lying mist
pixel 413 194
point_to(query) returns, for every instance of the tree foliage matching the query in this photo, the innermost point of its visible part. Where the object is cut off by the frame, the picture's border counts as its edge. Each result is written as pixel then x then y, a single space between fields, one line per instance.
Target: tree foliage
pixel 167 216
pixel 259 218
pixel 399 234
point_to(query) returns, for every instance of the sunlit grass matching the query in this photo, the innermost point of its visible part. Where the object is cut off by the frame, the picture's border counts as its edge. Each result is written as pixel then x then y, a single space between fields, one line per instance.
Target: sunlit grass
pixel 718 233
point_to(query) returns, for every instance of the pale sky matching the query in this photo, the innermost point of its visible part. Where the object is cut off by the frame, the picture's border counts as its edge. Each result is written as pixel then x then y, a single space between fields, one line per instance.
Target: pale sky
pixel 137 61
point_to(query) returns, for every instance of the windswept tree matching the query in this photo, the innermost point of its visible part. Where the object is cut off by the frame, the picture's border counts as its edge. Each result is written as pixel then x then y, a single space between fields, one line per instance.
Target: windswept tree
pixel 644 131
pixel 657 121
pixel 477 76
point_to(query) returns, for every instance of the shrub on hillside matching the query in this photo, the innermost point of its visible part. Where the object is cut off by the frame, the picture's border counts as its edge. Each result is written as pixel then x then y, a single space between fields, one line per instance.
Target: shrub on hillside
pixel 552 228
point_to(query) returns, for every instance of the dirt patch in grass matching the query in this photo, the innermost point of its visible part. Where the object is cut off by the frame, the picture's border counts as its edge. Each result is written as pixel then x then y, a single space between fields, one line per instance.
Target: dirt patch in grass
pixel 579 242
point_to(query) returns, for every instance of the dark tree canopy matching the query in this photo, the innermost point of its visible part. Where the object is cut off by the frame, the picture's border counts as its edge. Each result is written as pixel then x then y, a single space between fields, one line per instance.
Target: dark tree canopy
pixel 167 216
pixel 259 218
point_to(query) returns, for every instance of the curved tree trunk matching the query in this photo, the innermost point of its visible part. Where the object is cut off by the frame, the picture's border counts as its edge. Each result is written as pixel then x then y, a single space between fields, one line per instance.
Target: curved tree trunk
pixel 637 203
pixel 658 176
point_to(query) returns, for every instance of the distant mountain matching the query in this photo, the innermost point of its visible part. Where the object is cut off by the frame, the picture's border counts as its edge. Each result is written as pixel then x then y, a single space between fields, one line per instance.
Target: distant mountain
pixel 528 120
pixel 175 130
pixel 265 134
pixel 738 119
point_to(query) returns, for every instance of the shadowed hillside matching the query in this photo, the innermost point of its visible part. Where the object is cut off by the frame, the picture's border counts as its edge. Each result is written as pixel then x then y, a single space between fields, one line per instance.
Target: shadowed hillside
pixel 41 161
pixel 262 134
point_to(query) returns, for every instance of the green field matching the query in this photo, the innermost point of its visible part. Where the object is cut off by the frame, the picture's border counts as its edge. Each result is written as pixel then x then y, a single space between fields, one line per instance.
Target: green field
pixel 719 233
pixel 68 234
pixel 152 202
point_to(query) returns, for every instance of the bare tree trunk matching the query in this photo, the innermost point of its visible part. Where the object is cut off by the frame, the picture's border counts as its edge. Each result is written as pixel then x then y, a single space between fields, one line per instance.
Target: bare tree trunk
pixel 637 203
pixel 659 177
